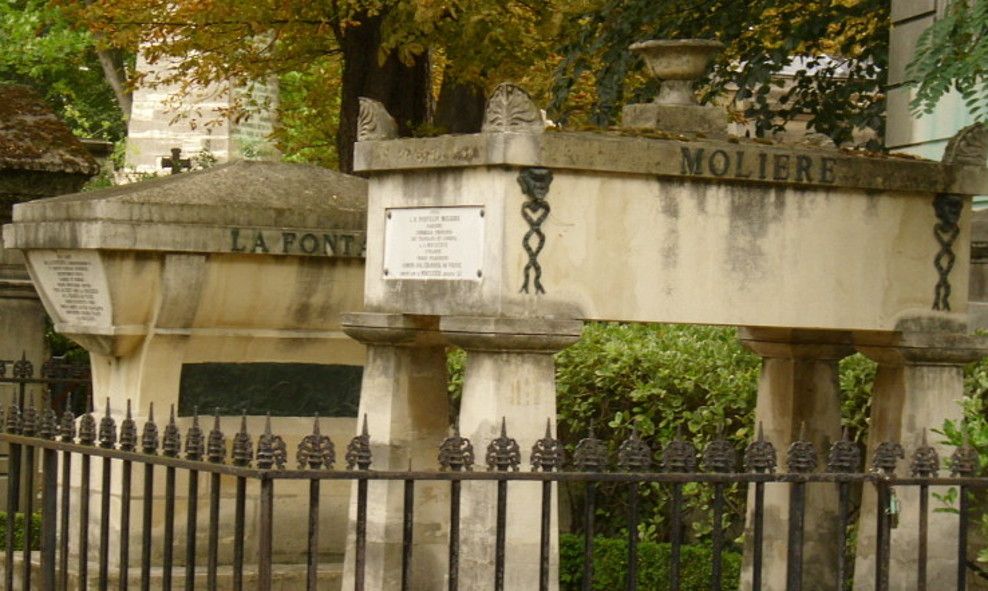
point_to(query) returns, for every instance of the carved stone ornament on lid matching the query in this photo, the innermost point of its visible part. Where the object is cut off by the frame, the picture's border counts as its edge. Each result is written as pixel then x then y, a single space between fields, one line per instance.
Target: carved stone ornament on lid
pixel 969 146
pixel 510 108
pixel 374 122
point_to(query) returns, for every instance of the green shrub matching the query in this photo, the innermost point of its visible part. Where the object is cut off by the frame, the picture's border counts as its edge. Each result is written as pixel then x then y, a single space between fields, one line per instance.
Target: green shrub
pixel 610 563
pixel 19 531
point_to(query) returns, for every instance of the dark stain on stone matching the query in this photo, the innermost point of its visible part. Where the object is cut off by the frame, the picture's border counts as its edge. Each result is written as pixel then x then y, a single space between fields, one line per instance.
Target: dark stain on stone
pixel 750 216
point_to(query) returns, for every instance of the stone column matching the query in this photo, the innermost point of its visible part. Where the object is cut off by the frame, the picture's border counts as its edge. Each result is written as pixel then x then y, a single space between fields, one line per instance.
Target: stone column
pixel 405 400
pixel 798 388
pixel 510 374
pixel 918 385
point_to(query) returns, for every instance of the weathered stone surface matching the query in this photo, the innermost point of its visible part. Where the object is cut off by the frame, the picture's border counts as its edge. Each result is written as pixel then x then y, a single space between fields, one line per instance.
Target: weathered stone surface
pixel 696 119
pixel 374 122
pixel 635 153
pixel 259 207
pixel 33 138
pixel 509 108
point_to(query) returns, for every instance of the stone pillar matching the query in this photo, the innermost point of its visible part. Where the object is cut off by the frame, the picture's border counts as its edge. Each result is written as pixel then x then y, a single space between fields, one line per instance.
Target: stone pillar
pixel 918 385
pixel 510 374
pixel 405 399
pixel 798 388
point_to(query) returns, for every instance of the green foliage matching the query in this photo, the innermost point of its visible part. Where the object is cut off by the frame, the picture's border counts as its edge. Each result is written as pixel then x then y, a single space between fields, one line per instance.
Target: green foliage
pixel 611 565
pixel 697 382
pixel 39 47
pixel 857 374
pixel 19 531
pixel 840 86
pixel 952 54
pixel 309 113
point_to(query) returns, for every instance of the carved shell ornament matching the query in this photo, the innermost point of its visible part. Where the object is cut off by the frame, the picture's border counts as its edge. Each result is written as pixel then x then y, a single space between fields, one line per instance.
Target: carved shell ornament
pixel 374 122
pixel 968 146
pixel 510 108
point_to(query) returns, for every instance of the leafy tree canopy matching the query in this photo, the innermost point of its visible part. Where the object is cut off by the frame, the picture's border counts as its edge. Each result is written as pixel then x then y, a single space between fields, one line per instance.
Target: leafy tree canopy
pixel 843 45
pixel 952 54
pixel 40 48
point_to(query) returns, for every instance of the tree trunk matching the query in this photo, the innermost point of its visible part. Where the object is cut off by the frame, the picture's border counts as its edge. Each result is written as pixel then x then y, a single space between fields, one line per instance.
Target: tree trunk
pixel 460 108
pixel 116 77
pixel 404 89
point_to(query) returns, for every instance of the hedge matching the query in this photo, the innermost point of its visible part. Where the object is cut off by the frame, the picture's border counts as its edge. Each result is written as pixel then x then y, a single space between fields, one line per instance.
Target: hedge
pixel 611 565
pixel 19 531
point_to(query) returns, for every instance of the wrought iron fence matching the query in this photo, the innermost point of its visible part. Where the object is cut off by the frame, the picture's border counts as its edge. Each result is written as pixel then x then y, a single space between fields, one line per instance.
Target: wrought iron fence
pixel 60 441
pixel 62 379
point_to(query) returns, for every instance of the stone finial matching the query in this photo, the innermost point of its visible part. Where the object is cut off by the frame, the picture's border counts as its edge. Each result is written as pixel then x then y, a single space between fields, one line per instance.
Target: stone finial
pixel 510 108
pixel 969 146
pixel 547 453
pixel 374 122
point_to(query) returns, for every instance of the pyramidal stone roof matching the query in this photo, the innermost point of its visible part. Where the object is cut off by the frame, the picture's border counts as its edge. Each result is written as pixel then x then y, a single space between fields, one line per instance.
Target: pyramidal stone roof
pixel 236 193
pixel 33 138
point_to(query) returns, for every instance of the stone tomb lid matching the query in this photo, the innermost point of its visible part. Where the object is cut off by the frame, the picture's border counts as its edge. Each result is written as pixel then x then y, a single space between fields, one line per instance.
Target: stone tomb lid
pixel 195 211
pixel 674 156
pixel 33 138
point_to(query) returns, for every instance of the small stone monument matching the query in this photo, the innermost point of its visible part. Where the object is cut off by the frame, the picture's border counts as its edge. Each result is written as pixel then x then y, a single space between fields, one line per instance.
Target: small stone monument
pixel 221 288
pixel 192 120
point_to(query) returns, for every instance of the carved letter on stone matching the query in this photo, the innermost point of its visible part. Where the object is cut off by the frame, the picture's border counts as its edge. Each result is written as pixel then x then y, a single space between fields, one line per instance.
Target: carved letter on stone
pixel 509 108
pixel 374 122
pixel 968 146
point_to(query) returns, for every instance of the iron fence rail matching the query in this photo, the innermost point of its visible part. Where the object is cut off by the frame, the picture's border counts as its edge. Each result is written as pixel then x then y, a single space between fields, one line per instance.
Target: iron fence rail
pixel 58 440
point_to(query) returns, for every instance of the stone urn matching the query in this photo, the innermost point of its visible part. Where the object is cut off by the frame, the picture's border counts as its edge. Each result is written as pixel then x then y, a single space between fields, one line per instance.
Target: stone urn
pixel 677 63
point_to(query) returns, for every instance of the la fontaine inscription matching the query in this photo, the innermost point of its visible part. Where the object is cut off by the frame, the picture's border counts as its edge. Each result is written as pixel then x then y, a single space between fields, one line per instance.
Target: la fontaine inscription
pixel 75 283
pixel 434 243
pixel 298 242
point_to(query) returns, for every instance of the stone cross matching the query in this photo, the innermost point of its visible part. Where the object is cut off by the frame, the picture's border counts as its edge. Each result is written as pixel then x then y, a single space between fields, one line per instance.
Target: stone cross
pixel 176 162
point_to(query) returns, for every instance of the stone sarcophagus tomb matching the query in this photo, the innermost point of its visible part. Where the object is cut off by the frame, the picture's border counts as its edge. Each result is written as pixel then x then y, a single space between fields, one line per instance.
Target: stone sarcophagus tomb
pixel 504 242
pixel 220 289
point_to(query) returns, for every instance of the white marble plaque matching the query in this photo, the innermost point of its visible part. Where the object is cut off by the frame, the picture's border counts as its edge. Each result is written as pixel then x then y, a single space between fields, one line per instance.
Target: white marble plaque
pixel 434 243
pixel 75 284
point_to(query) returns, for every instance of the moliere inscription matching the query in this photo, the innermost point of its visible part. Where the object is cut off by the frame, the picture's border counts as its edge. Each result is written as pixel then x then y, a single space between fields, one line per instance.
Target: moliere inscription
pixel 743 164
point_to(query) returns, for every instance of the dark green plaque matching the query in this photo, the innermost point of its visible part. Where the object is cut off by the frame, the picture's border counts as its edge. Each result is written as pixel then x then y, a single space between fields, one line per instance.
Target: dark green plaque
pixel 283 389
